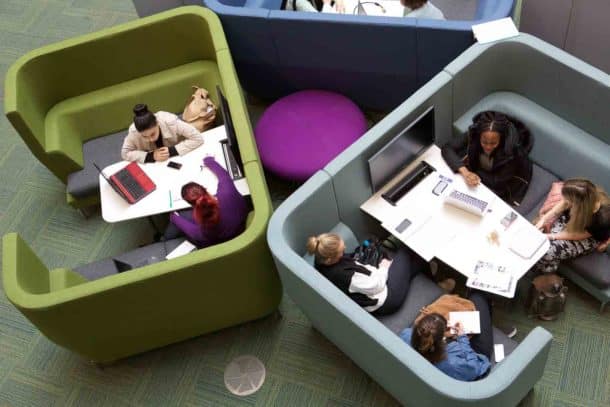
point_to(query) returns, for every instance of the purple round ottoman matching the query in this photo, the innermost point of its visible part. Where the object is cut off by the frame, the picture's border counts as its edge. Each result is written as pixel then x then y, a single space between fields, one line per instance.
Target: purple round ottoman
pixel 300 133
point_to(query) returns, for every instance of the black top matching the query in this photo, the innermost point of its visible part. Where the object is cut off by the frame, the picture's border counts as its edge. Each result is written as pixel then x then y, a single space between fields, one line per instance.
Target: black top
pixel 599 229
pixel 341 273
pixel 150 158
pixel 511 171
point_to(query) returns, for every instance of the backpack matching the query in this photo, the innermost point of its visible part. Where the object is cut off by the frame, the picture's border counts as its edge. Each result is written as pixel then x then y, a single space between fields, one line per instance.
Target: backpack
pixel 373 250
pixel 200 111
pixel 547 297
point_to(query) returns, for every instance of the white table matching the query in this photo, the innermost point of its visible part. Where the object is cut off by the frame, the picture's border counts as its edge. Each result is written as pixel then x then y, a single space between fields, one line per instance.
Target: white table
pixel 452 235
pixel 166 197
pixel 390 8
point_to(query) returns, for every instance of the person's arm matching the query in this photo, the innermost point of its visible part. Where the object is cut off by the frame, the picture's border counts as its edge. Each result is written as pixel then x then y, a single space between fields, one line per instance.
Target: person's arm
pixel 565 235
pixel 552 213
pixel 130 151
pixel 225 183
pixel 453 153
pixel 464 363
pixel 192 137
pixel 602 247
pixel 191 229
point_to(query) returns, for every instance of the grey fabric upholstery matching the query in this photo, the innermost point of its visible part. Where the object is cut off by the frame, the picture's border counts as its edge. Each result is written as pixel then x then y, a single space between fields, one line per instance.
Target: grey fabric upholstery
pixel 594 267
pixel 149 254
pixel 457 10
pixel 103 151
pixel 539 187
pixel 421 293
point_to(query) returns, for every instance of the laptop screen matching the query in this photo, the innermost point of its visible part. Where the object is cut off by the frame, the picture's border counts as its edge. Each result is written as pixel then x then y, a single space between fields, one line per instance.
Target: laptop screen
pixel 402 149
pixel 229 128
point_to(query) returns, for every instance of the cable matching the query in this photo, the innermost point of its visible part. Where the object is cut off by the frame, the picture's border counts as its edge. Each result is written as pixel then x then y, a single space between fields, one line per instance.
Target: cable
pixel 359 5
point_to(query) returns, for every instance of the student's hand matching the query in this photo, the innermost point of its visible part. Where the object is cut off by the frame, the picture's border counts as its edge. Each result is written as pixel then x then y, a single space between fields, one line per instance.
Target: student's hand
pixel 472 179
pixel 458 329
pixel 161 154
pixel 340 6
pixel 540 224
pixel 602 247
pixel 385 263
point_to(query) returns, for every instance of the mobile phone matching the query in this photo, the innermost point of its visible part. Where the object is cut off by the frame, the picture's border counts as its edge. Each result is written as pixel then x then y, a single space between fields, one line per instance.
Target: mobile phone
pixel 508 219
pixel 175 165
pixel 403 225
pixel 440 187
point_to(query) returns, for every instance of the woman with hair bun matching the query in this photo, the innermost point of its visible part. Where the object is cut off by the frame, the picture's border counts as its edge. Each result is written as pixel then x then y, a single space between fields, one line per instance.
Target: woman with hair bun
pixel 158 136
pixel 494 153
pixel 462 358
pixel 213 219
pixel 381 289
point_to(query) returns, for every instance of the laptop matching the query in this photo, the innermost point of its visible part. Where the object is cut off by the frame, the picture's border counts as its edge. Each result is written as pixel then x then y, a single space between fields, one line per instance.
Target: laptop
pixel 230 150
pixel 131 182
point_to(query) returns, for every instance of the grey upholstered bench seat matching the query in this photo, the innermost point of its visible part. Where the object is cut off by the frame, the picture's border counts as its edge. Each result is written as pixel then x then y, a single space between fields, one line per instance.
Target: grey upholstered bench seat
pixel 103 151
pixel 139 257
pixel 422 292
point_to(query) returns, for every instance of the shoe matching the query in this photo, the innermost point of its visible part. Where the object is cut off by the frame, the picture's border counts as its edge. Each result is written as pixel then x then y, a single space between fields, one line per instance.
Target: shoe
pixel 509 330
pixel 447 285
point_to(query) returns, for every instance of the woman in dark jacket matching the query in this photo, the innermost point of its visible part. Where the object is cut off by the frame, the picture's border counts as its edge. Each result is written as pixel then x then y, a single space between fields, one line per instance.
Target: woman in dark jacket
pixel 495 153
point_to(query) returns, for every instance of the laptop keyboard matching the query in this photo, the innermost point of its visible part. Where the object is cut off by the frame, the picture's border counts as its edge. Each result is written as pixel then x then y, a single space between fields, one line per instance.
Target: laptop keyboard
pixel 130 184
pixel 467 202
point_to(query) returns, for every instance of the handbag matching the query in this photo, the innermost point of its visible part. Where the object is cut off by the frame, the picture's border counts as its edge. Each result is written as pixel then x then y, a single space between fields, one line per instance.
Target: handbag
pixel 547 297
pixel 200 111
pixel 444 305
pixel 372 250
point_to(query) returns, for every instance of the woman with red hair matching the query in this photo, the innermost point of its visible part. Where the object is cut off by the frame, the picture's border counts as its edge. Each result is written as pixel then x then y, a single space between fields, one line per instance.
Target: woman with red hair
pixel 214 219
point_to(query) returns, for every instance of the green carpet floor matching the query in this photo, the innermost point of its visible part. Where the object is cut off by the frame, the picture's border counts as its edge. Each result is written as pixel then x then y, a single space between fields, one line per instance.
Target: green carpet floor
pixel 303 368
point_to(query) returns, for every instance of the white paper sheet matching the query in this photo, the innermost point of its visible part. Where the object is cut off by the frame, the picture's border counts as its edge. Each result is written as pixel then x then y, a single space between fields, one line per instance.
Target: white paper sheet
pixel 495 30
pixel 470 320
pixel 184 248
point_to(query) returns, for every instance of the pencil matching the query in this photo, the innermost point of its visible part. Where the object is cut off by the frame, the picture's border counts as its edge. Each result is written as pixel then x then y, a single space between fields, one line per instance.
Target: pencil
pixel 170 199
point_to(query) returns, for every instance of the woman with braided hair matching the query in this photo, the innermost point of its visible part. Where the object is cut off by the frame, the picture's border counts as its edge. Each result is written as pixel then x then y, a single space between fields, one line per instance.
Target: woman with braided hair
pixel 494 153
pixel 462 358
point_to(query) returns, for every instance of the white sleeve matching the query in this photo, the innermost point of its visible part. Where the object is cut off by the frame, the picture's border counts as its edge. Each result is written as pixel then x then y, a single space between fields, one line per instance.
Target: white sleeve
pixel 369 284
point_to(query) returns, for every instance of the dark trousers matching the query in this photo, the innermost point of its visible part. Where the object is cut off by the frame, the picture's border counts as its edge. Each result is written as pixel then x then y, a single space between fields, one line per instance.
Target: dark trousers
pixel 405 265
pixel 484 342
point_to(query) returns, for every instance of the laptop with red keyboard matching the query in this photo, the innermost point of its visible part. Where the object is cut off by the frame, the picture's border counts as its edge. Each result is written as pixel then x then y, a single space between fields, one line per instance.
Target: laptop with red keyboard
pixel 131 182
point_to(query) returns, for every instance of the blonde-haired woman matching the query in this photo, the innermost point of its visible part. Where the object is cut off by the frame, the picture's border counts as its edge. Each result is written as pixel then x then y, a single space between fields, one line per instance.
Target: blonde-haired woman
pixel 582 223
pixel 381 290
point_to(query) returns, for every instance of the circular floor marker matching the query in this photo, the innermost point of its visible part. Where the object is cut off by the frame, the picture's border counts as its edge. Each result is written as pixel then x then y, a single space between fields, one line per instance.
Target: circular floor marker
pixel 244 375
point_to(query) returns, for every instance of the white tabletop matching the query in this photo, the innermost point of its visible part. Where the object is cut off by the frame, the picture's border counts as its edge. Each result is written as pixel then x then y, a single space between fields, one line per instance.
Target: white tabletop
pixel 452 235
pixel 166 197
pixel 388 8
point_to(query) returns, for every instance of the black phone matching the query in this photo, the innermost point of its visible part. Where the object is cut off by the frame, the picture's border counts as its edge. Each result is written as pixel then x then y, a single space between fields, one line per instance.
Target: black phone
pixel 173 164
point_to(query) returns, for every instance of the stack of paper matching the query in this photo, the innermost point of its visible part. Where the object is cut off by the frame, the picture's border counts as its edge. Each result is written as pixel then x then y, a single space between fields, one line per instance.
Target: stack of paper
pixel 492 278
pixel 470 321
pixel 495 30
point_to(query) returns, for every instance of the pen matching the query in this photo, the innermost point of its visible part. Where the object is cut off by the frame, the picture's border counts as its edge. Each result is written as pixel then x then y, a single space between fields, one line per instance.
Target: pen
pixel 170 198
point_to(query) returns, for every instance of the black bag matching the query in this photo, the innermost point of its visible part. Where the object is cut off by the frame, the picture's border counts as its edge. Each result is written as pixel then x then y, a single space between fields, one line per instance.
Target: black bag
pixel 372 251
pixel 547 297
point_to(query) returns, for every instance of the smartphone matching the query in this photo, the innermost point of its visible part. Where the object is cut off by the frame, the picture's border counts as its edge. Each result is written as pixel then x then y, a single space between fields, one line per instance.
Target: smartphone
pixel 175 165
pixel 508 219
pixel 440 187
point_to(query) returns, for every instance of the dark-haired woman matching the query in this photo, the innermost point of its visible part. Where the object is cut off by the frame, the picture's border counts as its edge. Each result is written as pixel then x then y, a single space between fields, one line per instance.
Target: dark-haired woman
pixel 463 358
pixel 213 219
pixel 158 136
pixel 495 153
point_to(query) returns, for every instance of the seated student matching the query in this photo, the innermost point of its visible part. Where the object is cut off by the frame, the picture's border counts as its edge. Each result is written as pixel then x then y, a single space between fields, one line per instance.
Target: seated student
pixel 581 223
pixel 325 6
pixel 213 219
pixel 461 358
pixel 495 153
pixel 381 290
pixel 156 137
pixel 422 9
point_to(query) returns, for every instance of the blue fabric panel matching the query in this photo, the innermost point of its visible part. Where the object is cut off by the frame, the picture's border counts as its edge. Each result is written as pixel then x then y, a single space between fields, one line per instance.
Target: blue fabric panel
pixel 438 43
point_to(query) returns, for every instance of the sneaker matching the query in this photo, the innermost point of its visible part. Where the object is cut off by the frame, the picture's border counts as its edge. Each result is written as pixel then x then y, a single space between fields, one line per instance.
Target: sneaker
pixel 509 330
pixel 447 285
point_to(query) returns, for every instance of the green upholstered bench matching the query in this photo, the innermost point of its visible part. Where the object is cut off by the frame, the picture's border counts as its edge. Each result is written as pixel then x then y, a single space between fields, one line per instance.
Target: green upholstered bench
pixel 153 60
pixel 169 301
